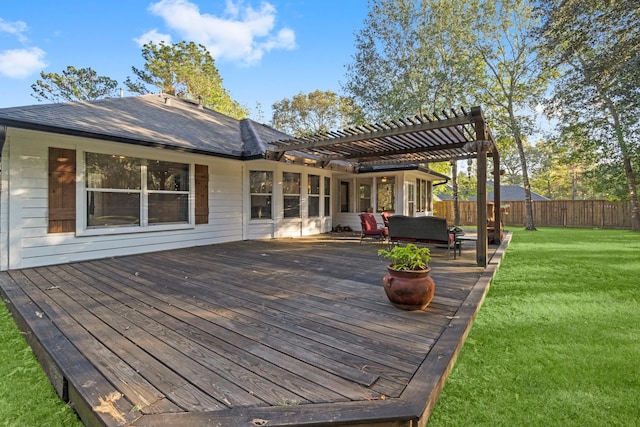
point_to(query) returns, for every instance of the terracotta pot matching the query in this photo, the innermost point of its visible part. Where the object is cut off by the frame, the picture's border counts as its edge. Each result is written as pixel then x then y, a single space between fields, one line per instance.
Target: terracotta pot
pixel 409 290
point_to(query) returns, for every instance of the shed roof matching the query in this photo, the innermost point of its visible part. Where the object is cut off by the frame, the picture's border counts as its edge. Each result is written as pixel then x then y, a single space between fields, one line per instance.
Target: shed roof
pixel 512 193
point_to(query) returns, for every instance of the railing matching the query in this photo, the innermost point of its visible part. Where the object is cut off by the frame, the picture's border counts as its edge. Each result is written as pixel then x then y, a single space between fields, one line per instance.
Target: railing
pixel 553 213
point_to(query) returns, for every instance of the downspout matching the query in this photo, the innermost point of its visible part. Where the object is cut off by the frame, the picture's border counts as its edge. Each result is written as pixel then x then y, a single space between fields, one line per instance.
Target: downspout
pixel 433 185
pixel 3 243
pixel 3 138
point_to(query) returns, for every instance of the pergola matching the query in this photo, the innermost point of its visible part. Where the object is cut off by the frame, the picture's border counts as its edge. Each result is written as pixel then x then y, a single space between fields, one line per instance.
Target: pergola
pixel 421 139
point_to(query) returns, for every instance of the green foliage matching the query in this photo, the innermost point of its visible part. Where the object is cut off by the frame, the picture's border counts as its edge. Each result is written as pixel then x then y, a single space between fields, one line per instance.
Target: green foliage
pixel 556 340
pixel 596 45
pixel 186 70
pixel 414 57
pixel 315 112
pixel 74 84
pixel 430 55
pixel 409 257
pixel 26 395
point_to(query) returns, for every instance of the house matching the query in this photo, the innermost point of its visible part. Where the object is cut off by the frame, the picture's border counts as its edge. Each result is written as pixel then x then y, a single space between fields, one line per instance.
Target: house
pixel 130 175
pixel 512 193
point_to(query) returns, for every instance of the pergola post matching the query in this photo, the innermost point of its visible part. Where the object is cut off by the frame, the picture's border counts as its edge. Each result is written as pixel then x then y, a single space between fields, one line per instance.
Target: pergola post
pixel 482 244
pixel 497 229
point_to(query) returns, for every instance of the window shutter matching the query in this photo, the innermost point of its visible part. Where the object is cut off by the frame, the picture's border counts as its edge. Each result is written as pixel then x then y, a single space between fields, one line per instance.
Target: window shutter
pixel 202 194
pixel 62 190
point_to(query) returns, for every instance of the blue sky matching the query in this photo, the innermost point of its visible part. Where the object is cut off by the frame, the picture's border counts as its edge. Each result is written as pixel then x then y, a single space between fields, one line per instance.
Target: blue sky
pixel 265 50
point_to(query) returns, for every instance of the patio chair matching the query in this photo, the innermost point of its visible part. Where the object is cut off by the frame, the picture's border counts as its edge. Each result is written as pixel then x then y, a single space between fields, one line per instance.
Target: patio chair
pixel 370 228
pixel 385 219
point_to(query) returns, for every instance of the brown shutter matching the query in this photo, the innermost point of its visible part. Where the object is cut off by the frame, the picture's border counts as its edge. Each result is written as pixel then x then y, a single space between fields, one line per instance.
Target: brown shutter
pixel 202 194
pixel 62 190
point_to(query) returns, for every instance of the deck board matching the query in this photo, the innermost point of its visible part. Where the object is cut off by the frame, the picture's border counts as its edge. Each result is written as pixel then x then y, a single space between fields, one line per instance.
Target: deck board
pixel 296 330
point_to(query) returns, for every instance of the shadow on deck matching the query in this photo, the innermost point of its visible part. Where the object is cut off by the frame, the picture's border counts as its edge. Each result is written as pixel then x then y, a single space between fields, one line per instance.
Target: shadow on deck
pixel 276 333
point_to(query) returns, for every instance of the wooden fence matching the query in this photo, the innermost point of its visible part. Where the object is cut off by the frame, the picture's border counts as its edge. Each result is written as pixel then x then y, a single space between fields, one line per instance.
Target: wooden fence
pixel 553 213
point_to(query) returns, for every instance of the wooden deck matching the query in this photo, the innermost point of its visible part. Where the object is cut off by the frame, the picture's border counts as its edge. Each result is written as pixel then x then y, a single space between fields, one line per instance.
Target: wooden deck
pixel 294 332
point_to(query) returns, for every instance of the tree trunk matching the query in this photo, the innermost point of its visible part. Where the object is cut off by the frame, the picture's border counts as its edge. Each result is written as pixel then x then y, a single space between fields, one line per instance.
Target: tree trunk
pixel 525 174
pixel 624 150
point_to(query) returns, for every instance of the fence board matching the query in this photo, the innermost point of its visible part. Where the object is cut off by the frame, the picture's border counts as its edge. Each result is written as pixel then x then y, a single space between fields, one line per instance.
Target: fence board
pixel 548 213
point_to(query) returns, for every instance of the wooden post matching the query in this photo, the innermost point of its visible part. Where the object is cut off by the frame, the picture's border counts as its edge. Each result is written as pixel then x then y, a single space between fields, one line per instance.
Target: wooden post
pixel 454 183
pixel 482 244
pixel 497 229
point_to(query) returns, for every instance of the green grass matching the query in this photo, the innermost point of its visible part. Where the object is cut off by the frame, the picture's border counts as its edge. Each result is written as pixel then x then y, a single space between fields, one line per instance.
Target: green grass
pixel 26 395
pixel 557 340
pixel 556 343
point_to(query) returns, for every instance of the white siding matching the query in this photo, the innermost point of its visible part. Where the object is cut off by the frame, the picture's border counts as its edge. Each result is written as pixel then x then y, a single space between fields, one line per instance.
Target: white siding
pixel 25 241
pixel 28 243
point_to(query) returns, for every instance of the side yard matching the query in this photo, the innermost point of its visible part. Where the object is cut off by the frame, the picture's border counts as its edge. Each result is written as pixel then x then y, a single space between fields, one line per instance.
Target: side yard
pixel 557 340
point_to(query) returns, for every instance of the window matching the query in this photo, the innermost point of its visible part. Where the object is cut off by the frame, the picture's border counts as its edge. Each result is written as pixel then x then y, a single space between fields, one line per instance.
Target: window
pixel 291 194
pixel 364 197
pixel 261 189
pixel 114 189
pixel 386 195
pixel 327 196
pixel 168 192
pixel 313 190
pixel 344 196
pixel 411 199
pixel 421 190
pixel 127 191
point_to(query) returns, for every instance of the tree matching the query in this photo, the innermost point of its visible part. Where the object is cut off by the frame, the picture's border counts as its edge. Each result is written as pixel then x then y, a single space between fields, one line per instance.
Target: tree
pixel 315 112
pixel 597 46
pixel 416 55
pixel 413 57
pixel 517 74
pixel 185 70
pixel 74 84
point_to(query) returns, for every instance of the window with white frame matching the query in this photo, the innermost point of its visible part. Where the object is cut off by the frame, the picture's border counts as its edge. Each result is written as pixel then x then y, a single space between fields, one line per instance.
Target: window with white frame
pixel 291 194
pixel 364 197
pixel 421 193
pixel 261 190
pixel 345 196
pixel 126 191
pixel 411 198
pixel 327 196
pixel 313 194
pixel 386 194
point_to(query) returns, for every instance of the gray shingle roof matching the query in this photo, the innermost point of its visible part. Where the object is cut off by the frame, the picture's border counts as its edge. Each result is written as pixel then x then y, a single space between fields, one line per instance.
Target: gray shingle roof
pixel 512 193
pixel 152 120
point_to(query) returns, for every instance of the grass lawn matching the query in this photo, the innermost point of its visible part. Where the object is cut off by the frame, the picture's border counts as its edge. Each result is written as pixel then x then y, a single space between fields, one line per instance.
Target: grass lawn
pixel 556 343
pixel 26 395
pixel 557 340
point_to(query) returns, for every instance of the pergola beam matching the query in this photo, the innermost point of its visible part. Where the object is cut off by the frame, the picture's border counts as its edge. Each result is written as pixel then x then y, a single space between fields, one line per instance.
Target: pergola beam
pixel 376 154
pixel 327 140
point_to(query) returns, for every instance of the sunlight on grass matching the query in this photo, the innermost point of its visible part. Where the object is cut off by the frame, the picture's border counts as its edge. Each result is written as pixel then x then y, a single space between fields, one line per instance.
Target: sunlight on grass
pixel 557 341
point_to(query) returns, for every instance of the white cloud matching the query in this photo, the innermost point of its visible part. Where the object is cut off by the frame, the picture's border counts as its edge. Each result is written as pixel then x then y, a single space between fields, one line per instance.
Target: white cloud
pixel 21 63
pixel 242 34
pixel 153 36
pixel 16 28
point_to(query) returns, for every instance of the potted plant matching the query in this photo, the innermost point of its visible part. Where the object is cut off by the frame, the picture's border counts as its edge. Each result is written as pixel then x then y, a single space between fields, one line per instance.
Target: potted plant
pixel 407 282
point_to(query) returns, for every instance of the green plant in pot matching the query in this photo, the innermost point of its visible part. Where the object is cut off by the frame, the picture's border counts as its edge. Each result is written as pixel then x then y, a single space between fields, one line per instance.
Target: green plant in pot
pixel 407 282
